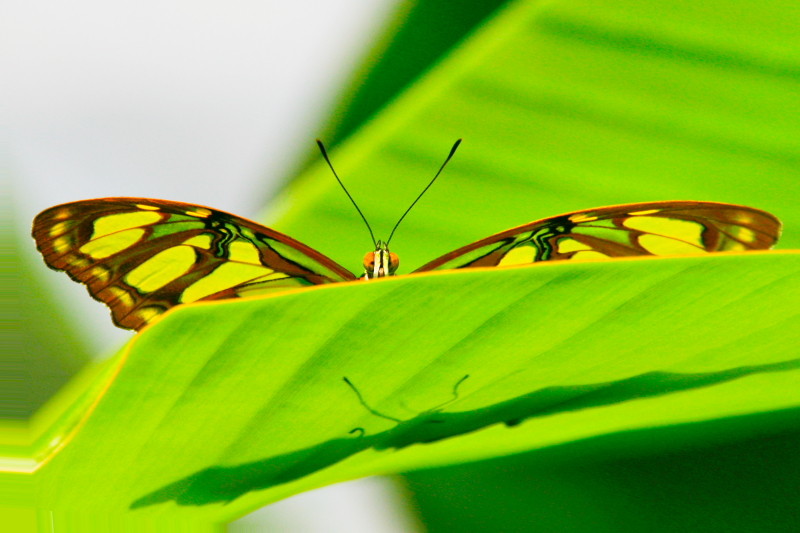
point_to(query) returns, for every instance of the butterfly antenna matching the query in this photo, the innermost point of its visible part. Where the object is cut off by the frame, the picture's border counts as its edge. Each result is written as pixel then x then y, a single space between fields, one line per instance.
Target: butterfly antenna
pixel 452 151
pixel 359 430
pixel 366 405
pixel 327 160
pixel 455 395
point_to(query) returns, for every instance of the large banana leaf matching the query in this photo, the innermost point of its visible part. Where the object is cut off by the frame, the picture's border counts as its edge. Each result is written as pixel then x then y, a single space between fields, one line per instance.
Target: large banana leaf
pixel 215 425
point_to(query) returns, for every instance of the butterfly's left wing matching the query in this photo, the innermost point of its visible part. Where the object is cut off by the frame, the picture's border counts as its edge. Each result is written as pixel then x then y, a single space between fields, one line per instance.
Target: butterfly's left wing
pixel 656 228
pixel 141 257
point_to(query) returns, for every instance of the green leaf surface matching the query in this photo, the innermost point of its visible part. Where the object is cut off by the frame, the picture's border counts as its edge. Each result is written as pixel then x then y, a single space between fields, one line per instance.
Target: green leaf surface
pixel 218 424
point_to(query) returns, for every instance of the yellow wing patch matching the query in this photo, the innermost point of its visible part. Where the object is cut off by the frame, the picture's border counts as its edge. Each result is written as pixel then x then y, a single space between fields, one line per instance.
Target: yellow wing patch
pixel 199 241
pixel 122 221
pixel 119 296
pixel 226 275
pixel 62 245
pixel 658 245
pixel 199 212
pixel 582 217
pixel 161 269
pixel 588 255
pixel 100 273
pixel 112 244
pixel 743 234
pixel 518 256
pixel 244 252
pixel 147 314
pixel 668 227
pixel 59 228
pixel 567 245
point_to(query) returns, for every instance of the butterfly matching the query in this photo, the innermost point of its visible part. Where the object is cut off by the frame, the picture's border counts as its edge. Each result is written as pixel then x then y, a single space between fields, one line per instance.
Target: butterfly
pixel 142 257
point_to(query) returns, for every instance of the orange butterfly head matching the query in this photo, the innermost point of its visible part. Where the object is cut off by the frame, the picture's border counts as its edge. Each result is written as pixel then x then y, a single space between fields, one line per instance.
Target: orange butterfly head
pixel 381 262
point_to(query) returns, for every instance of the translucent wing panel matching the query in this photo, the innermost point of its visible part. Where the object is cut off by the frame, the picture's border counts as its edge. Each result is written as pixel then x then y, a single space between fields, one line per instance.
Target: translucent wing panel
pixel 141 257
pixel 659 228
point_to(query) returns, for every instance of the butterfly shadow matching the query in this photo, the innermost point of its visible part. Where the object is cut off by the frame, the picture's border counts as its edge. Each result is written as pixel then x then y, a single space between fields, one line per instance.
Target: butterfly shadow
pixel 223 484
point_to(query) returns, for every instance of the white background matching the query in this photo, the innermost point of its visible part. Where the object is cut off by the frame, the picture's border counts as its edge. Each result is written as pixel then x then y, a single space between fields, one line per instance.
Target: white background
pixel 197 101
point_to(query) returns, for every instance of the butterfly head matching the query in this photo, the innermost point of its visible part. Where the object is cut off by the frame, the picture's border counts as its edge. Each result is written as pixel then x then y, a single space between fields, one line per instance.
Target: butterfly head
pixel 381 262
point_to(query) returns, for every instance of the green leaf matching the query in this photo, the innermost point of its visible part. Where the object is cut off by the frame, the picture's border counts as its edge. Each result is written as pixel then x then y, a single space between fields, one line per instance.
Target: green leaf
pixel 218 424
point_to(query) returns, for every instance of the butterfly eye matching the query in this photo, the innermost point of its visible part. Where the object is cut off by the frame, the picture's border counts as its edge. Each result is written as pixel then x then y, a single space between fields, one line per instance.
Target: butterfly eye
pixel 369 260
pixel 394 261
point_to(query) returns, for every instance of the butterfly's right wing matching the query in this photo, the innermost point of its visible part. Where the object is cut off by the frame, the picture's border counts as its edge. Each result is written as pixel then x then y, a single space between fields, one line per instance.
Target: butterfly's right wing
pixel 655 228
